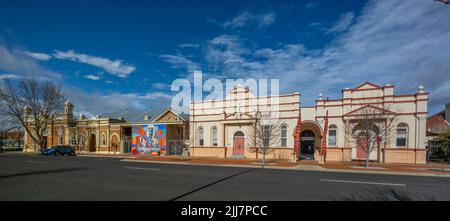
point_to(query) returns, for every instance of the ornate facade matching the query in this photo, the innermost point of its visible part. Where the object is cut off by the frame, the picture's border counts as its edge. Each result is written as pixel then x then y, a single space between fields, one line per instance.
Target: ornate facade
pixel 315 132
pixel 109 133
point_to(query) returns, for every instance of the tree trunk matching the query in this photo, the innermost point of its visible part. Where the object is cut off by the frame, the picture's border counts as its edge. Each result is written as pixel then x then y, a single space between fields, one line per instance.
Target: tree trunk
pixel 264 159
pixel 367 158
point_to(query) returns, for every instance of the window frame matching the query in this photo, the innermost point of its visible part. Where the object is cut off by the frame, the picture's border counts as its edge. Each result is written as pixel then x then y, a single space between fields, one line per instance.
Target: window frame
pixel 214 136
pixel 334 128
pixel 404 127
pixel 284 128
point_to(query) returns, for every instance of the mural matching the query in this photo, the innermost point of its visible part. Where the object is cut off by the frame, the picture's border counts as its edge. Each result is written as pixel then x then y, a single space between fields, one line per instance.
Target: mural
pixel 149 139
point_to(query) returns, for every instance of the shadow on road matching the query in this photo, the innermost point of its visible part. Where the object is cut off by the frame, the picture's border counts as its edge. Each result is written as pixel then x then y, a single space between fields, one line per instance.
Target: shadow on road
pixel 382 194
pixel 210 184
pixel 63 170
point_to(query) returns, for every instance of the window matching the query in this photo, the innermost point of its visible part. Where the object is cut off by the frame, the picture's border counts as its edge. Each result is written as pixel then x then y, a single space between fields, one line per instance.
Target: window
pixel 82 140
pixel 284 136
pixel 402 135
pixel 201 136
pixel 73 140
pixel 60 134
pixel 332 131
pixel 214 136
pixel 103 140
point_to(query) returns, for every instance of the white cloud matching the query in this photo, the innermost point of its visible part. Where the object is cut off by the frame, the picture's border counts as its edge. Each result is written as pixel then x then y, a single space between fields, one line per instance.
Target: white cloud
pixel 15 61
pixel 310 5
pixel 400 42
pixel 179 61
pixel 160 86
pixel 38 56
pixel 189 45
pixel 343 23
pixel 94 103
pixel 115 67
pixel 246 18
pixel 93 77
pixel 9 76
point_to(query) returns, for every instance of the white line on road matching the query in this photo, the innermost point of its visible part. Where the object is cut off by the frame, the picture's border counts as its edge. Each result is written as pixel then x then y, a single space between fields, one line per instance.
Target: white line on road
pixel 31 161
pixel 141 168
pixel 361 182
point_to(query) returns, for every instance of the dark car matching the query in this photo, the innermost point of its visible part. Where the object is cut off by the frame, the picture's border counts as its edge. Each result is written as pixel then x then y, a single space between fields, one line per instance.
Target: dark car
pixel 59 150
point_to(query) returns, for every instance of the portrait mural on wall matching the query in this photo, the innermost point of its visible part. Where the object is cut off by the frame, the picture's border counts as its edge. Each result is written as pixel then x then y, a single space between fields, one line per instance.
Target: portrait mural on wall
pixel 149 139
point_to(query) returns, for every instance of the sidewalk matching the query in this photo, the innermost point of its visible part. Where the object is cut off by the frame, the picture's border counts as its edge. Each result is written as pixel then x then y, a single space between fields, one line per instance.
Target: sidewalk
pixel 431 169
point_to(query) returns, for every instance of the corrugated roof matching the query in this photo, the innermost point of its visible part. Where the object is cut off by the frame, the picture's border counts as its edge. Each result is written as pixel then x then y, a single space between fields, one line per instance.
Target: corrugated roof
pixel 139 116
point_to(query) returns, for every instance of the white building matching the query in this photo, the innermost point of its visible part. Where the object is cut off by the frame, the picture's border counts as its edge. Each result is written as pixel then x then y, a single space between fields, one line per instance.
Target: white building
pixel 221 128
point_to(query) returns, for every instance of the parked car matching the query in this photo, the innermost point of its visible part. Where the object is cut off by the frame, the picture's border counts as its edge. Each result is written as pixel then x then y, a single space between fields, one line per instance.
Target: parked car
pixel 59 150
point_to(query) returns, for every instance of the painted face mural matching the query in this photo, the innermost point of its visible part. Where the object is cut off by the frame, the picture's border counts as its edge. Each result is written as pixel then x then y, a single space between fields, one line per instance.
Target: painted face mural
pixel 149 139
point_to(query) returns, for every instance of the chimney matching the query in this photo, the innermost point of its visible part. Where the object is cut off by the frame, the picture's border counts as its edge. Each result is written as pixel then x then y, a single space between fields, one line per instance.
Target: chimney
pixel 447 112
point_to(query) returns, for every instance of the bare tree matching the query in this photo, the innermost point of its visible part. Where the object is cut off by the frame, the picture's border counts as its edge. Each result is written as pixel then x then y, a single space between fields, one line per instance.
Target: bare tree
pixel 32 104
pixel 370 128
pixel 264 133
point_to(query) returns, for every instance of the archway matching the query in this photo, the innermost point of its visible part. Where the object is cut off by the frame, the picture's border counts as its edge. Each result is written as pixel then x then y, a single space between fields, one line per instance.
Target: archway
pixel 238 143
pixel 310 137
pixel 92 143
pixel 114 143
pixel 307 138
pixel 365 138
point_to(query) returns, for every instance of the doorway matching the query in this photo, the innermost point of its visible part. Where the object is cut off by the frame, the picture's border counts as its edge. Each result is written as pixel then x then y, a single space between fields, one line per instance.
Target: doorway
pixel 238 143
pixel 307 139
pixel 92 143
pixel 361 148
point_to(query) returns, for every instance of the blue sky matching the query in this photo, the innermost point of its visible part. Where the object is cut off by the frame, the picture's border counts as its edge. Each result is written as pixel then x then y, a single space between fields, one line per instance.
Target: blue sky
pixel 113 55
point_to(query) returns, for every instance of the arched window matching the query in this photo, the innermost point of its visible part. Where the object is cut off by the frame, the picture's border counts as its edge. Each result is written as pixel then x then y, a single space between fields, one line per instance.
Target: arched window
pixel 201 138
pixel 332 132
pixel 60 135
pixel 214 136
pixel 283 135
pixel 73 140
pixel 402 135
pixel 103 139
pixel 82 140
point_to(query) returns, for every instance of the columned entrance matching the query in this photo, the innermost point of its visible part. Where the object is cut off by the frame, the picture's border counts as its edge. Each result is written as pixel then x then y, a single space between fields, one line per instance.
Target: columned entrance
pixel 310 138
pixel 238 143
pixel 307 138
pixel 92 143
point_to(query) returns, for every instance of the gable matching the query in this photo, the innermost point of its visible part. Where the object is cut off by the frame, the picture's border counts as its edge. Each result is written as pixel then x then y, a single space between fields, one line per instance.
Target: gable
pixel 168 116
pixel 367 109
pixel 367 85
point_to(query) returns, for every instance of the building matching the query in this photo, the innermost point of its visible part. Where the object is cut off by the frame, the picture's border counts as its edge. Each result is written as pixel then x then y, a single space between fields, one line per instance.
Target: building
pixel 114 133
pixel 437 124
pixel 220 128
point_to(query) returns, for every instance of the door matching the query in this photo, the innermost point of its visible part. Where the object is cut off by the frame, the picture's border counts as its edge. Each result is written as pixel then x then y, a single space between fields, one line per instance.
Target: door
pixel 92 143
pixel 361 148
pixel 238 144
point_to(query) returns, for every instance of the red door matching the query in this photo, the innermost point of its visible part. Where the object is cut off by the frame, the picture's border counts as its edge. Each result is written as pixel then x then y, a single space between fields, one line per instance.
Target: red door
pixel 361 148
pixel 238 144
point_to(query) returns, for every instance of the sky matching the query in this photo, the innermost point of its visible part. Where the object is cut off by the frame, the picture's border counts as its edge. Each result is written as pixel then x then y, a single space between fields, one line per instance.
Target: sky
pixel 117 55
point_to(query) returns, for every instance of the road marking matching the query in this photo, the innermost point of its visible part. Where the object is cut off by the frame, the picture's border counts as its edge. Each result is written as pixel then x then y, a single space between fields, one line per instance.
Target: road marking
pixel 31 161
pixel 141 168
pixel 361 182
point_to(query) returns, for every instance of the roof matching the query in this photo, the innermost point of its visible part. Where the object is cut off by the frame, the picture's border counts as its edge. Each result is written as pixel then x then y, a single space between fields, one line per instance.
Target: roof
pixel 139 116
pixel 437 124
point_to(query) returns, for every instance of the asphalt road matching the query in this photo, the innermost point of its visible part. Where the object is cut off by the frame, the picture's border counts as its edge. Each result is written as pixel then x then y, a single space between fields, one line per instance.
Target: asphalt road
pixel 88 178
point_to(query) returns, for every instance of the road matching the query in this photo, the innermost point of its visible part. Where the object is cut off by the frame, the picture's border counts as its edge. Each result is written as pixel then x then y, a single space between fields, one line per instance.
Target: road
pixel 88 178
